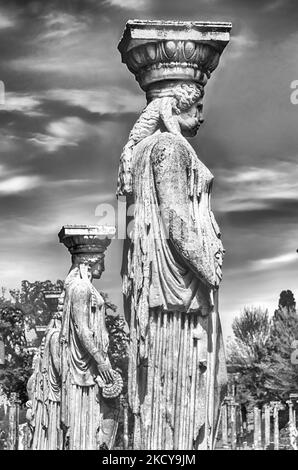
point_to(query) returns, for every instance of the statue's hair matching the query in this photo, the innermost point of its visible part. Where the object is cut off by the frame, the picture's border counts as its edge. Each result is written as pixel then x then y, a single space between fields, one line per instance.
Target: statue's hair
pixel 86 258
pixel 186 94
pixel 164 102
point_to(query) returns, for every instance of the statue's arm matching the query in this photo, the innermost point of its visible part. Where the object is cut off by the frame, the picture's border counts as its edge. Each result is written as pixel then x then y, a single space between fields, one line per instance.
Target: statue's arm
pixel 30 386
pixel 170 164
pixel 55 350
pixel 81 304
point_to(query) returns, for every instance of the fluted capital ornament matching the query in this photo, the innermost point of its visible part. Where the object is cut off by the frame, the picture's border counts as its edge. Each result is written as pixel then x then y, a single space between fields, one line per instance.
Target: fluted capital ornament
pixel 84 239
pixel 173 50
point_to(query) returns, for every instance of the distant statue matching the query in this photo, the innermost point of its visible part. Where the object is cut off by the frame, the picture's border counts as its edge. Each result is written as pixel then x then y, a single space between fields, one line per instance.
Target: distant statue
pixel 89 385
pixel 44 389
pixel 173 254
pixel 293 435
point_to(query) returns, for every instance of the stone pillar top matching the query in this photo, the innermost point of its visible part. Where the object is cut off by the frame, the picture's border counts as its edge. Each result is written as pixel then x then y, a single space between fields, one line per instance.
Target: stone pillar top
pixel 52 299
pixel 52 294
pixel 173 50
pixel 86 238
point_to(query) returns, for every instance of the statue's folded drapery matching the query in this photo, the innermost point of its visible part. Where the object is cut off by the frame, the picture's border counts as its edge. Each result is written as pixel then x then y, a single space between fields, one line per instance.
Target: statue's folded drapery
pixel 171 266
pixel 46 393
pixel 85 415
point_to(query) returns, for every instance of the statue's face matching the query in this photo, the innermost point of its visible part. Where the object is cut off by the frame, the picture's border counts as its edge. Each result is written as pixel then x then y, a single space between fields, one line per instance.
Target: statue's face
pixel 191 119
pixel 97 268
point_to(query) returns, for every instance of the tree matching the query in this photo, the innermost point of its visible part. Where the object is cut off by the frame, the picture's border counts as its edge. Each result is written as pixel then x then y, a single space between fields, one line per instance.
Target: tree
pixel 26 308
pixel 282 372
pixel 261 352
pixel 251 331
pixel 118 339
pixel 30 298
pixel 247 354
pixel 17 358
pixel 118 354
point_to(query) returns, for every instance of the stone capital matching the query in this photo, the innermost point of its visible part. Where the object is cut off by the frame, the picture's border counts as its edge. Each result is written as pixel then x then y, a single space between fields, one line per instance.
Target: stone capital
pixel 173 50
pixel 86 239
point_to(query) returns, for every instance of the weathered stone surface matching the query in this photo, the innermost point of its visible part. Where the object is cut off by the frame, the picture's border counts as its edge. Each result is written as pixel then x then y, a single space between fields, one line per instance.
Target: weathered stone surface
pixel 167 50
pixel 72 383
pixel 86 417
pixel 172 264
pixel 43 387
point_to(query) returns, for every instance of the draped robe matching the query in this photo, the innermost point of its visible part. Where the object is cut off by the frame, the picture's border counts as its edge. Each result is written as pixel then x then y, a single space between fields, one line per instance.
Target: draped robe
pixel 171 265
pixel 88 420
pixel 46 393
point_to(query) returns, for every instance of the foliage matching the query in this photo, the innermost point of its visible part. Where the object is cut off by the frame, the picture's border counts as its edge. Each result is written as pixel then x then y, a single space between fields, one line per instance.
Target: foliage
pixel 282 373
pixel 251 333
pixel 260 352
pixel 17 359
pixel 25 309
pixel 3 436
pixel 30 298
pixel 248 352
pixel 118 337
pixel 118 342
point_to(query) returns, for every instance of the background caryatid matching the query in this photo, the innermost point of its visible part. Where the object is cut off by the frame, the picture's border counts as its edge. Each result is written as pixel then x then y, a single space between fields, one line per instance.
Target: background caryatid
pixel 172 259
pixel 73 389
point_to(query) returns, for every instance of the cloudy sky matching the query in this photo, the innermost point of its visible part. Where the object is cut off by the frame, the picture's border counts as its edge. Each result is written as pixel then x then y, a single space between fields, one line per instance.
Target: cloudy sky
pixel 69 104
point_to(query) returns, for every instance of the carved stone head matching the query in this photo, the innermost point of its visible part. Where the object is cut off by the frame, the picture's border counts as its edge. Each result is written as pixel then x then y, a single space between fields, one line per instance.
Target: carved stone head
pixel 182 110
pixel 93 262
pixel 189 107
pixel 87 245
pixel 191 119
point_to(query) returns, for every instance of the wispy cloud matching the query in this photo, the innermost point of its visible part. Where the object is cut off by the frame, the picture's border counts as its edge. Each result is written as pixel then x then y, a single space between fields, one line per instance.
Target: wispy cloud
pixel 240 45
pixel 19 184
pixel 274 262
pixel 12 182
pixel 250 188
pixel 6 20
pixel 107 100
pixel 62 133
pixel 130 4
pixel 22 102
pixel 274 5
pixel 59 25
pixel 69 46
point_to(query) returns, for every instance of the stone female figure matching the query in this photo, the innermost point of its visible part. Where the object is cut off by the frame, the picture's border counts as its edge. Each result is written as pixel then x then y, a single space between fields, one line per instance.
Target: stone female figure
pixel 86 417
pixel 44 389
pixel 171 272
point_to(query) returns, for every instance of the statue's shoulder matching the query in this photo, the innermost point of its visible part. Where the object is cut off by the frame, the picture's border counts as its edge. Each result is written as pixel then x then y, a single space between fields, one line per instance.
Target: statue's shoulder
pixel 168 138
pixel 168 147
pixel 81 288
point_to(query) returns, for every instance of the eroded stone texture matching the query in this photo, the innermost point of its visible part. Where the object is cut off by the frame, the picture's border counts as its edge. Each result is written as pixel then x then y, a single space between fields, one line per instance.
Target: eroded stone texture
pixel 70 390
pixel 43 387
pixel 88 420
pixel 172 264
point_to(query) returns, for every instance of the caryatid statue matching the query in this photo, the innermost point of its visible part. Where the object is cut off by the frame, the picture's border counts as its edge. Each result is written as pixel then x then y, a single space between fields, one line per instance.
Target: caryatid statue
pixel 173 254
pixel 89 409
pixel 44 385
